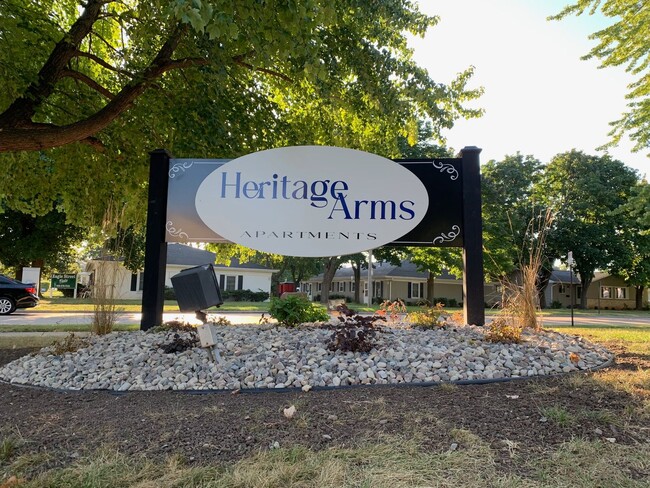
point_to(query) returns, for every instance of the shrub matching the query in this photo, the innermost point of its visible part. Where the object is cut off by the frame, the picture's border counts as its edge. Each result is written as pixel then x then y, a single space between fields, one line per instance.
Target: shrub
pixel 70 343
pixel 429 317
pixel 293 310
pixel 244 295
pixel 169 293
pixel 348 338
pixel 354 333
pixel 392 309
pixel 504 329
pixel 556 304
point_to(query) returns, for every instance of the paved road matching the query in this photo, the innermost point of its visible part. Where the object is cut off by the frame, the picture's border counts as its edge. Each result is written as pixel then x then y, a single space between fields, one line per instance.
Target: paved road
pixel 22 317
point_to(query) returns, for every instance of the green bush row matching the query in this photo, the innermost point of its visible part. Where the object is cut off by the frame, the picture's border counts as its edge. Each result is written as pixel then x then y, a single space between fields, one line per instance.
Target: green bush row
pixel 229 295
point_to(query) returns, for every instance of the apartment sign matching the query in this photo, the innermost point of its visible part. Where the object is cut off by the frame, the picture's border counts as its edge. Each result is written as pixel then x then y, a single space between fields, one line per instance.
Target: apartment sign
pixel 315 201
pixel 296 201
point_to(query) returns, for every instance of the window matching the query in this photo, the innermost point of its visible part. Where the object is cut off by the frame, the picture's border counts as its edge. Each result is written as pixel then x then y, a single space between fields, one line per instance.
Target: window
pixel 137 281
pixel 341 286
pixel 319 287
pixel 578 292
pixel 378 288
pixel 621 293
pixel 353 286
pixel 415 290
pixel 562 289
pixel 605 292
pixel 230 282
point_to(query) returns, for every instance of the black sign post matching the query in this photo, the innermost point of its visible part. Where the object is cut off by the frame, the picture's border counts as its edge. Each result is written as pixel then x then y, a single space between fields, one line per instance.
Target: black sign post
pixel 155 257
pixel 473 277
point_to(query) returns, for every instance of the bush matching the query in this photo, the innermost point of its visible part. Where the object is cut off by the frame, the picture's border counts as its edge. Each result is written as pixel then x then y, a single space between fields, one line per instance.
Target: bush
pixel 442 300
pixel 337 296
pixel 504 329
pixel 244 295
pixel 293 310
pixel 169 293
pixel 556 304
pixel 429 317
pixel 354 332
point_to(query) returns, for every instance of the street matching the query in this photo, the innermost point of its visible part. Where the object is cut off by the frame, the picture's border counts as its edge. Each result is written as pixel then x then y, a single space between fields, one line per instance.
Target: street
pixel 27 317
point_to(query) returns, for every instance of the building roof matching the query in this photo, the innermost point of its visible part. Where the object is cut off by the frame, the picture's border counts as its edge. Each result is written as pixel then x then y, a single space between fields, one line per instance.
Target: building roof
pixel 188 255
pixel 380 270
pixel 564 276
pixel 181 254
pixel 234 263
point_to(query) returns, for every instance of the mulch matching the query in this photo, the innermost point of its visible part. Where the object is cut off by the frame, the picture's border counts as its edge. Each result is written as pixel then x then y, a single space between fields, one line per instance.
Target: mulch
pixel 224 427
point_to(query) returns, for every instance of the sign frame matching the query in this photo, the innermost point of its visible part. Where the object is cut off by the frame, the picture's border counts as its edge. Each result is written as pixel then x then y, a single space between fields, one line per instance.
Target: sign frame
pixel 468 235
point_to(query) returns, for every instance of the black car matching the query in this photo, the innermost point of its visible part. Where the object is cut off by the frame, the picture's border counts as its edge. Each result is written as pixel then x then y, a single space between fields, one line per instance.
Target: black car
pixel 14 294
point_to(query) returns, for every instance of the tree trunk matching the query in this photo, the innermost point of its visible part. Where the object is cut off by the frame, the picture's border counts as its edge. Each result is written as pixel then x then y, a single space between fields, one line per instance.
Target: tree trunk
pixel 638 298
pixel 331 265
pixel 431 287
pixel 357 283
pixel 585 288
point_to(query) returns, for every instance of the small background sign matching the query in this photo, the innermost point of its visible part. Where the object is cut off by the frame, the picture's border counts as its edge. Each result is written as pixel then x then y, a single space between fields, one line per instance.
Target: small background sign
pixel 64 281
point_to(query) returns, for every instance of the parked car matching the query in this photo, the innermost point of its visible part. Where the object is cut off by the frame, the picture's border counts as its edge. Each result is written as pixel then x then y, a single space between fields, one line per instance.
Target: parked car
pixel 14 294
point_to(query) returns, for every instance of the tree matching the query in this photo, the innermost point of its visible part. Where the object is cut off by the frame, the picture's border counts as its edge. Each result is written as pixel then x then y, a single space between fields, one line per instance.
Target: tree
pixel 509 204
pixel 623 43
pixel 434 260
pixel 584 190
pixel 633 262
pixel 46 240
pixel 128 244
pixel 202 79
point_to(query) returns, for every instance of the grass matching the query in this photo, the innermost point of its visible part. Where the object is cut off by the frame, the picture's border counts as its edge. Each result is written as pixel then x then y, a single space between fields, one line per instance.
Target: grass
pixel 135 306
pixel 396 462
pixel 62 328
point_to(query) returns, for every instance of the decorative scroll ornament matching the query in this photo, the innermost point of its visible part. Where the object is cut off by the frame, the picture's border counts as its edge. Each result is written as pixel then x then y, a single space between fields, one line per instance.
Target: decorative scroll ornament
pixel 179 168
pixel 447 168
pixel 172 231
pixel 450 236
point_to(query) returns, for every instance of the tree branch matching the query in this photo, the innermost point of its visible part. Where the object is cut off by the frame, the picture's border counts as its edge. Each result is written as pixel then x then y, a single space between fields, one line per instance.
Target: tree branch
pixel 108 44
pixel 103 63
pixel 23 137
pixel 68 73
pixel 239 60
pixel 21 111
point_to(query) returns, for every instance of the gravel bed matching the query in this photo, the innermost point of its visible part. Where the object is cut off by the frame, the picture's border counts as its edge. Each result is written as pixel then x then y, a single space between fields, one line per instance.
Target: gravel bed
pixel 278 357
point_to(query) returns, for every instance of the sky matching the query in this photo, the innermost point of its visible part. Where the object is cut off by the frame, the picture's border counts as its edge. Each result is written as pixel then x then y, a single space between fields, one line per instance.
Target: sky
pixel 540 97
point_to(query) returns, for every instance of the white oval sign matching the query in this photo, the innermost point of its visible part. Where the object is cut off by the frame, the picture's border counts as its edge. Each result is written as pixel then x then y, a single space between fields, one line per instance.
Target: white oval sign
pixel 311 201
